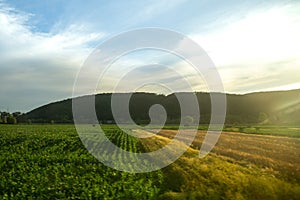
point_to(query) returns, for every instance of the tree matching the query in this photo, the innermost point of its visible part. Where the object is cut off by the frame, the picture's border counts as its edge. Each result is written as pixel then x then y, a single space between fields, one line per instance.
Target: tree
pixel 4 120
pixel 4 116
pixel 16 114
pixel 11 120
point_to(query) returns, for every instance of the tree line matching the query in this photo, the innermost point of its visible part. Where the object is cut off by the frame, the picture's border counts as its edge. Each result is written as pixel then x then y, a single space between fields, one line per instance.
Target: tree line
pixel 254 108
pixel 13 118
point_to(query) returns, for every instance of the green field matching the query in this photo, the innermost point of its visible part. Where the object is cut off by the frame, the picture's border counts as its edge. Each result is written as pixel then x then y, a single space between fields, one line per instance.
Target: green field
pixel 50 162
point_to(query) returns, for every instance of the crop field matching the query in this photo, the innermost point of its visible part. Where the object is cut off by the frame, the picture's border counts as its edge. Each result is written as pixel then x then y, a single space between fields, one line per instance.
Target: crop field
pixel 50 162
pixel 280 155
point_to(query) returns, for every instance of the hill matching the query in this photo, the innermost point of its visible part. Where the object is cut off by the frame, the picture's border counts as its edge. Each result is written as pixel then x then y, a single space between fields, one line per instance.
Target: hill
pixel 279 107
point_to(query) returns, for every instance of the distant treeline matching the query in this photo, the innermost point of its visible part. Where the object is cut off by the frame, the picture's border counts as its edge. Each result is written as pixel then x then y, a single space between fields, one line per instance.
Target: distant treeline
pixel 11 118
pixel 281 107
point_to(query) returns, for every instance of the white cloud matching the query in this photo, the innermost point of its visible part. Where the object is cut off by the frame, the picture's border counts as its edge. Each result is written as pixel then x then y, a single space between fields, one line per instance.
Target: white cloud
pixel 269 36
pixel 34 63
pixel 19 40
pixel 263 45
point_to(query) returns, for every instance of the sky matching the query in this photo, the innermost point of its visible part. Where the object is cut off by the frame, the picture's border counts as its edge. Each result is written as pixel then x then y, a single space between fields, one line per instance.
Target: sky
pixel 255 45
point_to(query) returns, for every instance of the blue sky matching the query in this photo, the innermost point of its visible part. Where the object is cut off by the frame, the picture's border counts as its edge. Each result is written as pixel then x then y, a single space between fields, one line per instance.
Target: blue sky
pixel 255 45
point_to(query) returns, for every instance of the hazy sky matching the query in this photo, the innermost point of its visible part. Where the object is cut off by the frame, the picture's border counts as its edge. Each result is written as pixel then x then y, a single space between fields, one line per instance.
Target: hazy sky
pixel 254 44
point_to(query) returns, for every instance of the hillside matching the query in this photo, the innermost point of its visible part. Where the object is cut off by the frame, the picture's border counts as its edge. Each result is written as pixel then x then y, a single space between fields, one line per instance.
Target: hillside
pixel 280 107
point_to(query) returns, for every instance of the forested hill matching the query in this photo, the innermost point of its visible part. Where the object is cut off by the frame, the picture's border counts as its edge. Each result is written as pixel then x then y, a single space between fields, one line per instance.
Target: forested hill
pixel 280 107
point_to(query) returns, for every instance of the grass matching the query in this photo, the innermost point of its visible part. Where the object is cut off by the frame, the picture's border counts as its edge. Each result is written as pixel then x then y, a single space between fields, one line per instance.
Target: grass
pixel 280 155
pixel 288 131
pixel 50 162
pixel 219 177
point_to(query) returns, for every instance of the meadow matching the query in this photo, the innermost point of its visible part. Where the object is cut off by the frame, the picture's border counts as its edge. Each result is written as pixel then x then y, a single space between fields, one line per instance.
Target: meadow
pixel 50 162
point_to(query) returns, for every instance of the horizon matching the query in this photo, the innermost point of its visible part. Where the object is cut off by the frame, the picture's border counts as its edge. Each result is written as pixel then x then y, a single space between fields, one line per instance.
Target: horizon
pixel 255 45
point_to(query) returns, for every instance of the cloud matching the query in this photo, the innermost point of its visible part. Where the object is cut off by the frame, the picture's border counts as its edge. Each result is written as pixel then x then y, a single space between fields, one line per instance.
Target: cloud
pixel 18 39
pixel 258 52
pixel 37 67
